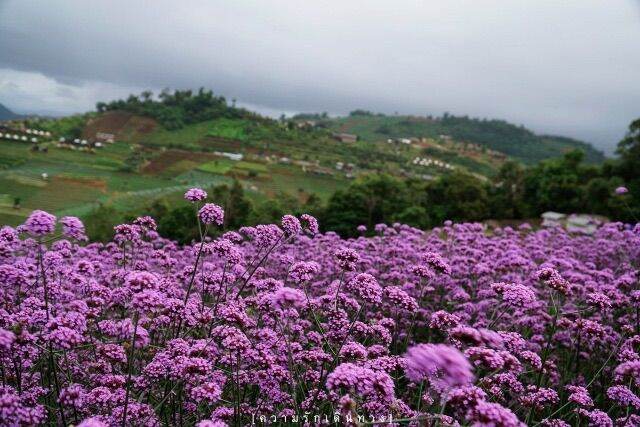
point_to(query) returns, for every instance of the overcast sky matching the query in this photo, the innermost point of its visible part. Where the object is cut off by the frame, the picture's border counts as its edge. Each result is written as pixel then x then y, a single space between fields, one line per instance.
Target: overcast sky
pixel 565 67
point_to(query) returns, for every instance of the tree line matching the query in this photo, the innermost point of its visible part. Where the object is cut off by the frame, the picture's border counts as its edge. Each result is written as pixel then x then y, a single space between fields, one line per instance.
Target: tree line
pixel 174 110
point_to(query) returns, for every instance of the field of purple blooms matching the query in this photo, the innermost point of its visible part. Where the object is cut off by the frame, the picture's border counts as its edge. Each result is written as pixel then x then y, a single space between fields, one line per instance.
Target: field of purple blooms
pixel 279 324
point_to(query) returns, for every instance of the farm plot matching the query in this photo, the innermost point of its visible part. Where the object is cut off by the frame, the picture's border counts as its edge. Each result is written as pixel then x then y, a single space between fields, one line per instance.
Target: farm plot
pixel 174 162
pixel 218 166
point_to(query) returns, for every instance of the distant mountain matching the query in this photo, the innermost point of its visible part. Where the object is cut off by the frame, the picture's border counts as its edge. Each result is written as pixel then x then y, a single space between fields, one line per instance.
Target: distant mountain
pixel 6 114
pixel 499 135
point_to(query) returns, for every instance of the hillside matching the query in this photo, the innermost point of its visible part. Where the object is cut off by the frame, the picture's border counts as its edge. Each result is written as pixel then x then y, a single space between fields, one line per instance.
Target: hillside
pixel 6 114
pixel 514 141
pixel 132 152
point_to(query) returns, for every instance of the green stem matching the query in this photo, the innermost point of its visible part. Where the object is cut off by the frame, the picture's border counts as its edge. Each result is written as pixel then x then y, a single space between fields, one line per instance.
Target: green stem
pixel 130 370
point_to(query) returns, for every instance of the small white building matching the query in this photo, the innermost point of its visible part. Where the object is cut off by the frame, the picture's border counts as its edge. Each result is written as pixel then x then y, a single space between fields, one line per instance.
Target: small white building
pixel 581 223
pixel 552 219
pixel 236 157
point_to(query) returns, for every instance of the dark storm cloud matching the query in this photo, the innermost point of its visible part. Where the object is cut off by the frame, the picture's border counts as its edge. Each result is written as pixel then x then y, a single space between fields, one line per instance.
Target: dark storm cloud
pixel 558 67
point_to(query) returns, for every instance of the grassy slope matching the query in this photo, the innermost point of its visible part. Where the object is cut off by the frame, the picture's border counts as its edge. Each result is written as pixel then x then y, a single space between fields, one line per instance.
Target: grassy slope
pixel 256 142
pixel 248 137
pixel 77 181
pixel 175 160
pixel 497 135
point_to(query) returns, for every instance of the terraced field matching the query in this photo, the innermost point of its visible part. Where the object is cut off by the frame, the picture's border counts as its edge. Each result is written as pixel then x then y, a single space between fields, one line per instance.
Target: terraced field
pixel 68 182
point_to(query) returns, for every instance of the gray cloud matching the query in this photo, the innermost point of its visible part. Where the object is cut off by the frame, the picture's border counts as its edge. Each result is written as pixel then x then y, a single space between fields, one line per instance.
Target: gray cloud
pixel 566 67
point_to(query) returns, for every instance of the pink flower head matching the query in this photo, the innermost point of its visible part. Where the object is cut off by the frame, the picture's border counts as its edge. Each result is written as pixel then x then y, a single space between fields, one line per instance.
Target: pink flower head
pixel 291 225
pixel 444 365
pixel 623 396
pixel 146 222
pixel 552 279
pixel 73 228
pixel 397 296
pixel 8 234
pixel 92 422
pixel 211 213
pixel 309 224
pixel 622 190
pixel 195 195
pixel 126 233
pixel 515 294
pixel 347 258
pixel 443 320
pixel 486 414
pixel 212 423
pixel 40 223
pixel 6 339
pixel 366 287
pixel 288 297
pixel 465 397
pixel 351 378
pixel 266 235
pixel 138 281
pixel 303 271
pixel 437 263
pixel 148 301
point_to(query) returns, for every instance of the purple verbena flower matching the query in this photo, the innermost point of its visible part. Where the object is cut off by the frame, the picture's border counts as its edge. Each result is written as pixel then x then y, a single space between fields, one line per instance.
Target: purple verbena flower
pixel 211 213
pixel 40 223
pixel 195 195
pixel 439 363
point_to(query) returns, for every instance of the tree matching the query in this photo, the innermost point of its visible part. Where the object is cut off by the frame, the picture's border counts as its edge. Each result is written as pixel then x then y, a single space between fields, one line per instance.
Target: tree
pixel 179 224
pixel 100 222
pixel 313 206
pixel 629 165
pixel 558 185
pixel 415 216
pixel 368 201
pixel 236 206
pixel 271 210
pixel 629 151
pixel 507 192
pixel 457 197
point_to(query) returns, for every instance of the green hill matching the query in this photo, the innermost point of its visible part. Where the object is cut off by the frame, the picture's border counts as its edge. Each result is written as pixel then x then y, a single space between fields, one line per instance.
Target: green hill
pixel 499 135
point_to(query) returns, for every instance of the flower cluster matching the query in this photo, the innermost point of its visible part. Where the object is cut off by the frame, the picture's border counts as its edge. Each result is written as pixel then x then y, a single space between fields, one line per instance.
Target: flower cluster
pixel 460 325
pixel 211 213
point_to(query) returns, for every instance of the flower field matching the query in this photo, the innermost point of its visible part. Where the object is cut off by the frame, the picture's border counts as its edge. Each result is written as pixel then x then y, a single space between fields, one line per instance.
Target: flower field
pixel 280 324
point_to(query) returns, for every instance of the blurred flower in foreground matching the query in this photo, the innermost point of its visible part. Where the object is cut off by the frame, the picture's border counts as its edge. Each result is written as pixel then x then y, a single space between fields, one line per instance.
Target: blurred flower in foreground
pixel 622 190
